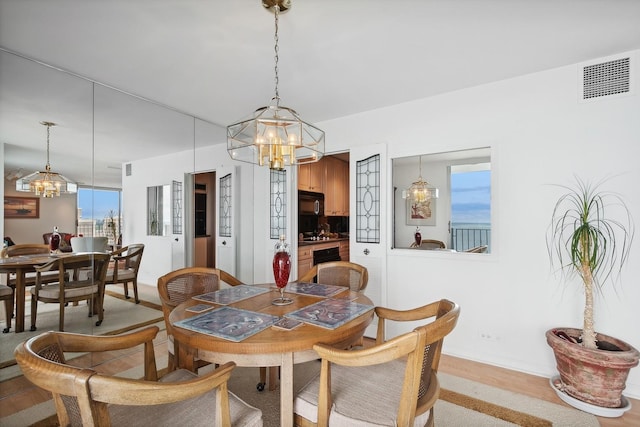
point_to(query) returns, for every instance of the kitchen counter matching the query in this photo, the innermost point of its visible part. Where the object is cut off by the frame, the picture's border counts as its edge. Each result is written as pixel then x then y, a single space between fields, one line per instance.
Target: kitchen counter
pixel 317 242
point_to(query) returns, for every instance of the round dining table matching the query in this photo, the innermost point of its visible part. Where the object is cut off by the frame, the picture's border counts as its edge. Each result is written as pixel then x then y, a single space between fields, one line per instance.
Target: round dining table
pixel 271 346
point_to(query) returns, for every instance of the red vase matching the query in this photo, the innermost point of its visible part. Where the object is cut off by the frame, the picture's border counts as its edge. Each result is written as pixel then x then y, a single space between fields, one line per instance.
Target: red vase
pixel 417 237
pixel 54 242
pixel 281 270
pixel 281 263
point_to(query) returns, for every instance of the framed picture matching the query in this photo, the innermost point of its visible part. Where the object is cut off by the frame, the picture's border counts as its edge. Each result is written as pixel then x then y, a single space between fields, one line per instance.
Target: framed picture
pixel 21 207
pixel 421 213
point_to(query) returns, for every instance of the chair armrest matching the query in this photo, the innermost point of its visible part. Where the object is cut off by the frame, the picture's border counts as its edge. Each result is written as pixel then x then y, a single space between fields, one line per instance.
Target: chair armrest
pixel 229 279
pixel 135 392
pixel 380 353
pixel 79 343
pixel 119 251
pixel 309 275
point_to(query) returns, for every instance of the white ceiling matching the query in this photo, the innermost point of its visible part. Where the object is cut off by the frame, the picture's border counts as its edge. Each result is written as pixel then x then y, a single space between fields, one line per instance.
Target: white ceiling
pixel 215 60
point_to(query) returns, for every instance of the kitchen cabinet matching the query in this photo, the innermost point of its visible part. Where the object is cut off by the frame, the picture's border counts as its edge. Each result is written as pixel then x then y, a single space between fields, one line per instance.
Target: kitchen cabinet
pixel 311 177
pixel 344 250
pixel 336 202
pixel 305 260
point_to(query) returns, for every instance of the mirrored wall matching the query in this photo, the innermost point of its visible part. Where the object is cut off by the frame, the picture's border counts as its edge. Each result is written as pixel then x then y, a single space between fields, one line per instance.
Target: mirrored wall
pixel 455 214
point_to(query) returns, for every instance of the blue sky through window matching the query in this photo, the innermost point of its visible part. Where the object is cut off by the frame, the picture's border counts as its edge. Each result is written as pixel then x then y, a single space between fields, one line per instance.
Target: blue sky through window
pixel 471 197
pixel 96 203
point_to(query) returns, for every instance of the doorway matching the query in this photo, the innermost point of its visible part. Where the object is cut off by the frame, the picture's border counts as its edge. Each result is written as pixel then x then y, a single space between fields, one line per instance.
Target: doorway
pixel 204 217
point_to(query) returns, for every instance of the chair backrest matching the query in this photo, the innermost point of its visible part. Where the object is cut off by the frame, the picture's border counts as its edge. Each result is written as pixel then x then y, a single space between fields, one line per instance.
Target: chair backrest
pixel 180 285
pixel 81 395
pixel 90 244
pixel 65 265
pixel 478 249
pixel 419 351
pixel 339 273
pixel 24 249
pixel 446 315
pixel 133 255
pixel 430 244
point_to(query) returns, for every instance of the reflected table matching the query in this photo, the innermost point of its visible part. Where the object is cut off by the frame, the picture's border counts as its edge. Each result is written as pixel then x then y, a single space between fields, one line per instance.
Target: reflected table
pixel 271 346
pixel 20 266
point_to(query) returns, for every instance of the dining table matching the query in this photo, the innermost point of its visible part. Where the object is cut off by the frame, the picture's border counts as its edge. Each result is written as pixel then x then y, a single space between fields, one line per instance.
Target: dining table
pixel 21 265
pixel 270 346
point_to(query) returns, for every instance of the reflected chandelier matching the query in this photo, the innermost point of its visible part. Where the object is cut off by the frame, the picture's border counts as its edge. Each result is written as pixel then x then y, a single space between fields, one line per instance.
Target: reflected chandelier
pixel 421 191
pixel 275 135
pixel 47 183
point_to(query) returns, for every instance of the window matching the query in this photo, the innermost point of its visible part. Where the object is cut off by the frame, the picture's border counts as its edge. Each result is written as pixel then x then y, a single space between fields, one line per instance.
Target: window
pixel 100 213
pixel 471 206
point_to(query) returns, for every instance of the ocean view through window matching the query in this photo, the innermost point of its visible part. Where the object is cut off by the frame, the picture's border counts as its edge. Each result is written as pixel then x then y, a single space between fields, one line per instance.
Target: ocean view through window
pixel 471 207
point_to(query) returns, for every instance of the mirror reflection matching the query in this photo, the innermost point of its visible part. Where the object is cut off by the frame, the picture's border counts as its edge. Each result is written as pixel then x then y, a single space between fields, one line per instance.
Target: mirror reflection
pixel 442 201
pixel 158 210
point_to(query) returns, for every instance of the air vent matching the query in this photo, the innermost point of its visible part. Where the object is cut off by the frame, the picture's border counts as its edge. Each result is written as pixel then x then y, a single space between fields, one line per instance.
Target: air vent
pixel 128 169
pixel 606 79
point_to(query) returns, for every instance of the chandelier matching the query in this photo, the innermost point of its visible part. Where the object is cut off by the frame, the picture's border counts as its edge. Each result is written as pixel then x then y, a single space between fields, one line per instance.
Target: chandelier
pixel 421 191
pixel 47 183
pixel 275 135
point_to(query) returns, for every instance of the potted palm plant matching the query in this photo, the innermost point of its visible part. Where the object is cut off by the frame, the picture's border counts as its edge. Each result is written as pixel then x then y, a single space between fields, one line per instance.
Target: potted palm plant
pixel 590 237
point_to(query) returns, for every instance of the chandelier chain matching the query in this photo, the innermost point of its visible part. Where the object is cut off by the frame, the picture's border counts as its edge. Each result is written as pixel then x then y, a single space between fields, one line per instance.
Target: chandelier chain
pixel 275 38
pixel 48 166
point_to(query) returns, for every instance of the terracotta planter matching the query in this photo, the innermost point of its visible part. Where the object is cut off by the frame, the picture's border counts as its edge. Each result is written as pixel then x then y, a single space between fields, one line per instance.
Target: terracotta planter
pixel 596 377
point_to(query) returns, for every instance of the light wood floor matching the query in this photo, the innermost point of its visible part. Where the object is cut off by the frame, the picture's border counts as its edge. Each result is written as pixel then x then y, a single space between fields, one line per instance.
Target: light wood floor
pixel 18 394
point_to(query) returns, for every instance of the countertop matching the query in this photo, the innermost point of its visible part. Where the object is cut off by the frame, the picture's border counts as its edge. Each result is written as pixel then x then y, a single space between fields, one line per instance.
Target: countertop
pixel 318 242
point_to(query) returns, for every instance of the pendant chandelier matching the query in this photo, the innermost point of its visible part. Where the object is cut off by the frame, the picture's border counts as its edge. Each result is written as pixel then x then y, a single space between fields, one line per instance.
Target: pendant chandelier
pixel 47 183
pixel 421 191
pixel 275 135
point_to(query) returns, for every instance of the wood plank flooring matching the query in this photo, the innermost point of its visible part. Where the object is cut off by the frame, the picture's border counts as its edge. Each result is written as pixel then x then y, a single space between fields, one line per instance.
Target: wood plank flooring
pixel 18 394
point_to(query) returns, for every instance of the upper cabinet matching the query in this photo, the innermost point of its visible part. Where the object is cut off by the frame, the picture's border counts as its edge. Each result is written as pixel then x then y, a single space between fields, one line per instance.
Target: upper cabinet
pixel 336 194
pixel 311 177
pixel 329 176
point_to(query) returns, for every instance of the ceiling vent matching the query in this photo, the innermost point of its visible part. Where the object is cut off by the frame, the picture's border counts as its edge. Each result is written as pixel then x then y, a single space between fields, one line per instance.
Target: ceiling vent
pixel 606 79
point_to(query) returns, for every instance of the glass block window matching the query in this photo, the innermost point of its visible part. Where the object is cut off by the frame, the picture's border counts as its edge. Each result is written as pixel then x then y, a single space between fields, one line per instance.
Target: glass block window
pixel 368 200
pixel 225 206
pixel 176 189
pixel 278 197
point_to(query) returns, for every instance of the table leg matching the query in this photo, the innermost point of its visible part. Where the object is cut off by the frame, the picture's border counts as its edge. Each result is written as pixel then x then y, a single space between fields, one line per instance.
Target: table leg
pixel 286 390
pixel 20 297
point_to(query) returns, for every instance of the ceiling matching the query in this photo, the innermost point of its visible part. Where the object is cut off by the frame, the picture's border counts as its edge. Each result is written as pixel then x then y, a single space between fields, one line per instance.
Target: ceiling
pixel 214 60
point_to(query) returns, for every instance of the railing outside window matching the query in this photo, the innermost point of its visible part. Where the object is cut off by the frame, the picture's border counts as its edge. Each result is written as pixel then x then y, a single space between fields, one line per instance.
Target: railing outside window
pixel 463 239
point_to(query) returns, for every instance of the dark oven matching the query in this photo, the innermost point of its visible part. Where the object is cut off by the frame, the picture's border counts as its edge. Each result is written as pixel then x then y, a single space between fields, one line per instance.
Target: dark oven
pixel 326 255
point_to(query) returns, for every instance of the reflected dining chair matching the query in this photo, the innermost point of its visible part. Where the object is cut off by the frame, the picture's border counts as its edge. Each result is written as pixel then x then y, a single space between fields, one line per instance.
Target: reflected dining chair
pixel 392 383
pixel 71 285
pixel 90 244
pixel 338 273
pixel 85 397
pixel 429 244
pixel 6 295
pixel 30 277
pixel 126 263
pixel 478 249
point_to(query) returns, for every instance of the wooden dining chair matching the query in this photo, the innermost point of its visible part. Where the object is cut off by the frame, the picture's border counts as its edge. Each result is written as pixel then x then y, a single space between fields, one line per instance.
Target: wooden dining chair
pixel 85 397
pixel 72 286
pixel 126 264
pixel 180 285
pixel 393 383
pixel 338 273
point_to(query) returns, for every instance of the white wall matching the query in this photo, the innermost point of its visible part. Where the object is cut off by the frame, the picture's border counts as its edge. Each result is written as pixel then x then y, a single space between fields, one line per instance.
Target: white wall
pixel 540 134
